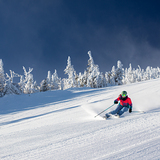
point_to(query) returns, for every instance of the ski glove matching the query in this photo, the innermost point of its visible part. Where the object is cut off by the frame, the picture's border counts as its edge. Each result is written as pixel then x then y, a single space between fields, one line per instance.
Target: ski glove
pixel 130 110
pixel 115 102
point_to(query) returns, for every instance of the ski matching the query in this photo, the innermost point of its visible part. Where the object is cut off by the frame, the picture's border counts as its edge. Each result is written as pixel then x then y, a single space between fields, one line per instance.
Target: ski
pixel 111 116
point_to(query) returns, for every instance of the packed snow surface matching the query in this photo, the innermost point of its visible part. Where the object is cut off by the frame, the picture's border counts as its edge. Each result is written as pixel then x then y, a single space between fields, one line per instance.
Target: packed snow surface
pixel 58 125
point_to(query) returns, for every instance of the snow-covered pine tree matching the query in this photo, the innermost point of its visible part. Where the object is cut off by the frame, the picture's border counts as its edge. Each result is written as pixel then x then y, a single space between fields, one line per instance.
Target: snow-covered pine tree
pixel 27 83
pixel 10 86
pixel 76 78
pixel 30 86
pixel 44 85
pixel 147 73
pixel 97 81
pixel 62 84
pixel 113 76
pixel 125 79
pixel 49 81
pixel 56 82
pixel 129 76
pixel 158 72
pixel 108 78
pixel 153 73
pixel 119 73
pixel 92 73
pixel 138 73
pixel 82 79
pixel 91 64
pixel 116 75
pixel 100 80
pixel 104 80
pixel 71 81
pixel 2 79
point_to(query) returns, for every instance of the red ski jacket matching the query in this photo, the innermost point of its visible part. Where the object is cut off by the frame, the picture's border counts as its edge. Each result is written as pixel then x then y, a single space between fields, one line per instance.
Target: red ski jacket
pixel 125 102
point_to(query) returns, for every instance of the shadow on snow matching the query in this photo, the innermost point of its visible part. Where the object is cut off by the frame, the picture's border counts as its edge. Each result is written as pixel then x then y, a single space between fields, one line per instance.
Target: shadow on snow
pixel 16 103
pixel 36 116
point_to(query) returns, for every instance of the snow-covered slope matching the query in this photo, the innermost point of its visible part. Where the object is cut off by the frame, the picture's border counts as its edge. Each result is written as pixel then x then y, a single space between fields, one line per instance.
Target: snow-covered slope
pixel 60 125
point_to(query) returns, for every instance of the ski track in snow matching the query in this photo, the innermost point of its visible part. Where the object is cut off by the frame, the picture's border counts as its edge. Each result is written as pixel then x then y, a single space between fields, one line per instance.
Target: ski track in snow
pixel 61 125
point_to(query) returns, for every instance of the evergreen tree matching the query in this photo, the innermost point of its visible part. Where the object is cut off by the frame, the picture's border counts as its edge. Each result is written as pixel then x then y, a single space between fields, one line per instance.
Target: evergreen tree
pixel 2 79
pixel 108 78
pixel 147 73
pixel 139 75
pixel 56 82
pixel 99 80
pixel 113 76
pixel 92 72
pixel 71 81
pixel 51 82
pixel 83 82
pixel 31 86
pixel 80 80
pixel 116 75
pixel 158 72
pixel 119 73
pixel 91 64
pixel 27 83
pixel 48 82
pixel 44 86
pixel 10 86
pixel 130 75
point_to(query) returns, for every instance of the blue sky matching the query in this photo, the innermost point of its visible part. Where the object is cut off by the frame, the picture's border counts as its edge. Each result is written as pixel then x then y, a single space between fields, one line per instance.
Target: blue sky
pixel 42 34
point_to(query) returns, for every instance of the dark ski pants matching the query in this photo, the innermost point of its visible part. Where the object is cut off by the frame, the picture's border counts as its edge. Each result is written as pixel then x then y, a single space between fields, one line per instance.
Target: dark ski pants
pixel 119 110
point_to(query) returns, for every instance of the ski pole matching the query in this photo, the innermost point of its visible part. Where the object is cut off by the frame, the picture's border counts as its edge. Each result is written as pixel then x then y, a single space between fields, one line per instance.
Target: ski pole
pixel 104 110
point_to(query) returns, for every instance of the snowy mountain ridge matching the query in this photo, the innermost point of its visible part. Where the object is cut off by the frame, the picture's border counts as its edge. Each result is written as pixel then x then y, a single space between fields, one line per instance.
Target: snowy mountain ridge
pixel 61 124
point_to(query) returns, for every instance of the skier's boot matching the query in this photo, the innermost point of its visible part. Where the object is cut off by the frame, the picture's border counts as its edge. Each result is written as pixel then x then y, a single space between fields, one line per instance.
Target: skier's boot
pixel 117 115
pixel 105 117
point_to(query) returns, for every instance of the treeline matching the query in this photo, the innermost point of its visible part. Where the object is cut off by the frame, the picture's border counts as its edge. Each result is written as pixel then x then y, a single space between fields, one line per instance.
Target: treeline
pixel 92 77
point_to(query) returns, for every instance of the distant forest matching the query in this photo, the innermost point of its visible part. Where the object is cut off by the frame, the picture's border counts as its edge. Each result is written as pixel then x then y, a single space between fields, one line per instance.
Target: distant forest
pixel 92 77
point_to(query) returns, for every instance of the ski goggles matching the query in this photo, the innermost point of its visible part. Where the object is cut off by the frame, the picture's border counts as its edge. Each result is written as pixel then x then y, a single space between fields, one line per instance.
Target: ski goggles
pixel 124 95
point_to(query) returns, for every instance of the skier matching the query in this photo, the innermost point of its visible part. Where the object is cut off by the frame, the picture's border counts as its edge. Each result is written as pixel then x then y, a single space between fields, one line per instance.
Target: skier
pixel 123 106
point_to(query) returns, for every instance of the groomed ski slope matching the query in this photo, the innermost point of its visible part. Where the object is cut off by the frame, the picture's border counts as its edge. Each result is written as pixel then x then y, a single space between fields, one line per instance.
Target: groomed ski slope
pixel 58 125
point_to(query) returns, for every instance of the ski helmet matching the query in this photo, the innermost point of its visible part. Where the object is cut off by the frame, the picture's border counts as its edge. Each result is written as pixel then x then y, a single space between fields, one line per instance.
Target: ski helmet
pixel 124 93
